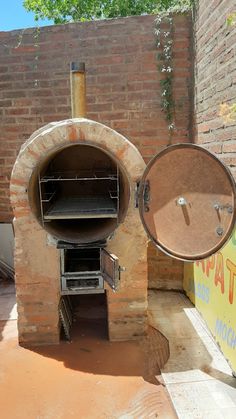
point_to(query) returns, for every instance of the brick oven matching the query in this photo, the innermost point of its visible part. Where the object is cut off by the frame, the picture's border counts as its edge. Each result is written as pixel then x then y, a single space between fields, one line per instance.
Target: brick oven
pixel 84 204
pixel 56 165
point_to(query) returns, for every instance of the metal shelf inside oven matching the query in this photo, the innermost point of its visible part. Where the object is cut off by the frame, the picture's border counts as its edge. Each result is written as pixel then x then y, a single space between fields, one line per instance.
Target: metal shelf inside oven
pixel 83 175
pixel 82 207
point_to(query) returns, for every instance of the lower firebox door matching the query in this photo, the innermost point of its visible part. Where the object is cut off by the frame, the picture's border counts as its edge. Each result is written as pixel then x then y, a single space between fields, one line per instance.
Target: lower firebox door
pixel 84 270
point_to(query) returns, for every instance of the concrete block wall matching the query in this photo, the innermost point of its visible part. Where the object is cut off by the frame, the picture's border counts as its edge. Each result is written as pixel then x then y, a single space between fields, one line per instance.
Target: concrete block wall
pixel 123 89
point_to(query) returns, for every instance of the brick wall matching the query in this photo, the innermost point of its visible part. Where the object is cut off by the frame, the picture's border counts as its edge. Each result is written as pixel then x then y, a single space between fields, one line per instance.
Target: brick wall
pixel 123 88
pixel 215 78
pixel 163 272
pixel 215 83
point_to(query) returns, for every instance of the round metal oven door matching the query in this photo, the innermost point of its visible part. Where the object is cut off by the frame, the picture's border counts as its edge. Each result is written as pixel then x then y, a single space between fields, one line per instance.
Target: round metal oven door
pixel 187 202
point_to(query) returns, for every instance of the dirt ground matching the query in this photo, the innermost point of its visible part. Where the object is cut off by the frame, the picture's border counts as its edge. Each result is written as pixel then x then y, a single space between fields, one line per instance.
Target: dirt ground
pixel 89 378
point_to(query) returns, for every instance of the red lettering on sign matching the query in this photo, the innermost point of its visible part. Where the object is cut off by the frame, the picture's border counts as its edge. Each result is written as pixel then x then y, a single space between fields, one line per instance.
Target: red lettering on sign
pixel 219 273
pixel 202 264
pixel 232 270
pixel 210 264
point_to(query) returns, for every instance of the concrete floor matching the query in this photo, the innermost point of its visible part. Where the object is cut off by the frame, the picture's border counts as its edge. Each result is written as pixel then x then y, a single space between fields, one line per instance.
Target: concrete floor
pixel 92 378
pixel 197 376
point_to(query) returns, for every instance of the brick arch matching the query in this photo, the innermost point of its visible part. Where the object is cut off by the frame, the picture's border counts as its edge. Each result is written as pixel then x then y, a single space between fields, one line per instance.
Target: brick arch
pixel 56 135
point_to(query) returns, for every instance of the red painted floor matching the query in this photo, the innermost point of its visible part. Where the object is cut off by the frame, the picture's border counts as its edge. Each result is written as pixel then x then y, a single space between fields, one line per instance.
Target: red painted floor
pixel 89 378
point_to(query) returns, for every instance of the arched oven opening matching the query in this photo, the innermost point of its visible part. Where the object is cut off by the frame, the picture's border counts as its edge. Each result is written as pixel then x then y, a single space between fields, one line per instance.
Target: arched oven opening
pixel 79 194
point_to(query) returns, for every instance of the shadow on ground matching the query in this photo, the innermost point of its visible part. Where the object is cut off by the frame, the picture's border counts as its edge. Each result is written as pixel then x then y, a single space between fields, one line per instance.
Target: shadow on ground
pixel 91 352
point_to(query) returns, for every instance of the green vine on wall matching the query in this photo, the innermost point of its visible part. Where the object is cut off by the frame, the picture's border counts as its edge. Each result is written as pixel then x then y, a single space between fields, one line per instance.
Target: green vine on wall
pixel 36 57
pixel 164 43
pixel 19 42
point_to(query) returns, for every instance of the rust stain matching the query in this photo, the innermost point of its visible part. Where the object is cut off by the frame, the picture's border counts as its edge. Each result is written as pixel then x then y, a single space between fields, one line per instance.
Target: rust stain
pixel 17 181
pixel 33 153
pixel 81 135
pixel 42 145
pixel 104 145
pixel 22 203
pixel 121 153
pixel 73 136
pixel 19 213
pixel 76 134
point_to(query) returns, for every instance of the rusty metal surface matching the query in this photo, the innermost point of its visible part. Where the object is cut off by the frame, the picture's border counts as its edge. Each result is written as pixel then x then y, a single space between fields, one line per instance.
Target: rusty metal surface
pixel 110 269
pixel 189 207
pixel 78 90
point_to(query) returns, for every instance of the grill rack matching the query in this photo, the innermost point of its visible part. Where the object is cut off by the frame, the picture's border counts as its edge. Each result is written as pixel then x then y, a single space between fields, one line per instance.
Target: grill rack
pixel 80 175
pixel 56 207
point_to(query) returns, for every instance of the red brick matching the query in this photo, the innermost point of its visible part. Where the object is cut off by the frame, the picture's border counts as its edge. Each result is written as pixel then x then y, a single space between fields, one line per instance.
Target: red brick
pixel 17 111
pixel 21 49
pixel 214 64
pixel 229 147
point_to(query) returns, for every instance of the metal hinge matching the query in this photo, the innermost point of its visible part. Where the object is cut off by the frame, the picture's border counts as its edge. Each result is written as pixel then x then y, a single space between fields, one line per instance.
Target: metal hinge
pixel 136 196
pixel 146 195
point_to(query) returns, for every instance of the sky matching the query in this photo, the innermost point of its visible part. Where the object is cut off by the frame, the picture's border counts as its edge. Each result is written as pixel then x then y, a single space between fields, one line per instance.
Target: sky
pixel 14 16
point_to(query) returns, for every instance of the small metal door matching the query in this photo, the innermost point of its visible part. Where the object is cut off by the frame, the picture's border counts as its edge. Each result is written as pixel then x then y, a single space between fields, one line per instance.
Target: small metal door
pixel 110 269
pixel 187 202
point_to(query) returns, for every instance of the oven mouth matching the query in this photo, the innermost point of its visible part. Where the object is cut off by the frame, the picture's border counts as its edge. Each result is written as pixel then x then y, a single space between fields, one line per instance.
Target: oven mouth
pixel 79 193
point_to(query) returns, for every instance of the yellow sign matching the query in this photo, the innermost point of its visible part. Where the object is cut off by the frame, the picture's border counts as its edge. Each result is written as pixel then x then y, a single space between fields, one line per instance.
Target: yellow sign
pixel 211 286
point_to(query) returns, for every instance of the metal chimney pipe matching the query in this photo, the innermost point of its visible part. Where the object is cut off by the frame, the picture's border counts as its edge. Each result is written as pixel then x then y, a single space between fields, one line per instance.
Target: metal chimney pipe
pixel 78 89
